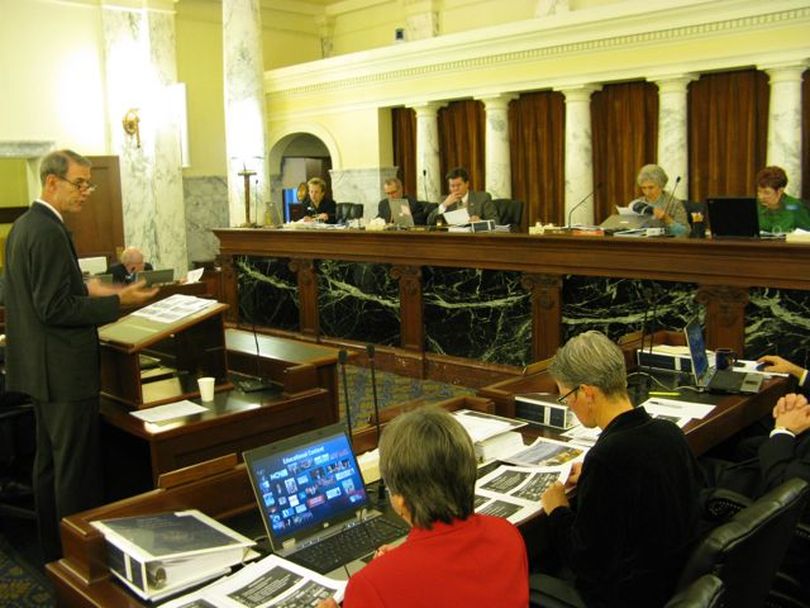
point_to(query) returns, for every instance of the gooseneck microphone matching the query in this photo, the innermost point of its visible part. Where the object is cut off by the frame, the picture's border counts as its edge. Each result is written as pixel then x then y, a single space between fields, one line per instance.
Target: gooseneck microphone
pixel 672 195
pixel 424 183
pixel 580 203
pixel 342 358
pixel 372 367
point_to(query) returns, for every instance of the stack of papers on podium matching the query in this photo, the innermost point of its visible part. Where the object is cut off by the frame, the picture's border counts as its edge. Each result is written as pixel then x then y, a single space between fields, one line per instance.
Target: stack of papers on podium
pixel 162 554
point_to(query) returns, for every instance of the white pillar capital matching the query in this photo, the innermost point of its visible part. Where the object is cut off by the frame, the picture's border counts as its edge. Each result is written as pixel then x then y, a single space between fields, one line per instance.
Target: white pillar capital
pixel 428 108
pixel 675 83
pixel 497 102
pixel 785 72
pixel 579 93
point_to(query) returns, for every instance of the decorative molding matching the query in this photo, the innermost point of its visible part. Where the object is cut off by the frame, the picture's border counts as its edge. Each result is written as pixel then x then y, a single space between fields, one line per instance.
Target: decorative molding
pixel 541 39
pixel 25 149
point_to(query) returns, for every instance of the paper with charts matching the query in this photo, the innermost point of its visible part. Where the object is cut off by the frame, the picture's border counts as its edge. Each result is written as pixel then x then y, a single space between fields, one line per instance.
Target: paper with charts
pixel 270 583
pixel 514 492
pixel 174 308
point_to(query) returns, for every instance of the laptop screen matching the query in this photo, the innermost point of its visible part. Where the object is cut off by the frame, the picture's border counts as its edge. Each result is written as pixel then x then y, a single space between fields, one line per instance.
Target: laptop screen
pixel 697 348
pixel 401 212
pixel 733 217
pixel 156 277
pixel 305 483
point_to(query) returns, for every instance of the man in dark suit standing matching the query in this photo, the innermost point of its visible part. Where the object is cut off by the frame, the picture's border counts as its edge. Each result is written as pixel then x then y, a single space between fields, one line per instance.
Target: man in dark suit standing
pixel 393 191
pixel 52 349
pixel 479 204
pixel 131 264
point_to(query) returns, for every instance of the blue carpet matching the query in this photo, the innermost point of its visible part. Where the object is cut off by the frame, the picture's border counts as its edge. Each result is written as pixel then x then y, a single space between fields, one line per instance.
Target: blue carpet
pixel 392 389
pixel 21 585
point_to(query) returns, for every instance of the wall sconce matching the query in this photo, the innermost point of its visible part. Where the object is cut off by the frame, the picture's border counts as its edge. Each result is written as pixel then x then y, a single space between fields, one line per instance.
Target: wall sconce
pixel 131 125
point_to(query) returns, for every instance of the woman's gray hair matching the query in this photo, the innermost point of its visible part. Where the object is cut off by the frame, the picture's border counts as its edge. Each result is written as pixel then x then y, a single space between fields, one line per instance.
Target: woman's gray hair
pixel 428 458
pixel 58 163
pixel 652 173
pixel 591 358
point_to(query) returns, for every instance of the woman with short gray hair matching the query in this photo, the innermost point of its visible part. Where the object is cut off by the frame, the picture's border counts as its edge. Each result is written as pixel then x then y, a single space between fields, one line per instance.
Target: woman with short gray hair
pixel 662 204
pixel 452 557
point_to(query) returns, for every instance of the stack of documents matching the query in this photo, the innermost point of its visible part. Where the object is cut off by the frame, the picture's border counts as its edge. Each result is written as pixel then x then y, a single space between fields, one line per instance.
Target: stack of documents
pixel 493 436
pixel 162 554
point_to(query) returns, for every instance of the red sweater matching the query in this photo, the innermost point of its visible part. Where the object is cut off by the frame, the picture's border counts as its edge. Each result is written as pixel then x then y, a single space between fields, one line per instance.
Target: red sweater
pixel 480 561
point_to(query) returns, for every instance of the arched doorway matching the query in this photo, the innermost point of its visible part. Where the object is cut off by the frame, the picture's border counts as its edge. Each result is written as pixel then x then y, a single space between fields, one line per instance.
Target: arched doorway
pixel 296 158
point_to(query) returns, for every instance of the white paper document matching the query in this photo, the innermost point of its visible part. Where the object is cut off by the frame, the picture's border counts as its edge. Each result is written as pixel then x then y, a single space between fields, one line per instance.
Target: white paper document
pixel 514 492
pixel 272 582
pixel 481 426
pixel 174 308
pixel 457 217
pixel 194 275
pixel 546 453
pixel 676 408
pixel 161 413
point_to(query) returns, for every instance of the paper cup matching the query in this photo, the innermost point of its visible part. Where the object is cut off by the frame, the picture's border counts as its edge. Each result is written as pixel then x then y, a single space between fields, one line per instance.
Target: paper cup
pixel 206 388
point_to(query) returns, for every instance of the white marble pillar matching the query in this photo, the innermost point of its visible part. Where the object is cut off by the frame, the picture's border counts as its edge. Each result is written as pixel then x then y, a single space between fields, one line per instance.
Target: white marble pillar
pixel 362 186
pixel 673 150
pixel 140 69
pixel 245 120
pixel 428 180
pixel 578 154
pixel 785 122
pixel 496 154
pixel 421 19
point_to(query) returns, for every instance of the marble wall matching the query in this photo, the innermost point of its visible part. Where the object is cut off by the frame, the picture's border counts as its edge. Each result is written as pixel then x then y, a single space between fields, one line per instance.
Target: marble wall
pixel 486 315
pixel 206 201
pixel 360 186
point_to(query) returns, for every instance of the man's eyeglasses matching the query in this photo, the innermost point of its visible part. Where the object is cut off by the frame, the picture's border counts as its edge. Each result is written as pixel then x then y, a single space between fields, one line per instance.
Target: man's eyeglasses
pixel 563 400
pixel 79 184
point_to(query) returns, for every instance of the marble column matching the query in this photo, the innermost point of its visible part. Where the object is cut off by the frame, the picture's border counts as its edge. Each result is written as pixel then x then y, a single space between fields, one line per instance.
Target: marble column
pixel 578 154
pixel 140 70
pixel 496 154
pixel 362 186
pixel 245 120
pixel 326 32
pixel 428 180
pixel 421 19
pixel 673 150
pixel 785 122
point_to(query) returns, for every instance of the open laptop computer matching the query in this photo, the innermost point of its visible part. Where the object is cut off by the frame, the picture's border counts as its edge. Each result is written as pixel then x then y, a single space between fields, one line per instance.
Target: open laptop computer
pixel 313 501
pixel 156 277
pixel 711 379
pixel 401 212
pixel 733 217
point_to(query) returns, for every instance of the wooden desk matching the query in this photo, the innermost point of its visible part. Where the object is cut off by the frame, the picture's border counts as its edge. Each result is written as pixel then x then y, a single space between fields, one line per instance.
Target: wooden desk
pixel 294 364
pixel 221 489
pixel 235 421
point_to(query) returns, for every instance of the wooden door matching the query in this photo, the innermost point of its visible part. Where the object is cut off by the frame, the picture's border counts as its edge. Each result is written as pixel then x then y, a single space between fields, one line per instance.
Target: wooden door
pixel 99 229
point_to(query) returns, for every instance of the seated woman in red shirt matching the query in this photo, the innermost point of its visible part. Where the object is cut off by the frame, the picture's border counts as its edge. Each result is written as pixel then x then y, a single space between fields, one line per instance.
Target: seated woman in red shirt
pixel 452 557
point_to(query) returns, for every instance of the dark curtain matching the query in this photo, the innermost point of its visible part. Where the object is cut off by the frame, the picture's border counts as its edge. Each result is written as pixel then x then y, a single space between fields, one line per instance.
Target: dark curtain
pixel 461 140
pixel 728 131
pixel 537 149
pixel 805 193
pixel 403 124
pixel 624 127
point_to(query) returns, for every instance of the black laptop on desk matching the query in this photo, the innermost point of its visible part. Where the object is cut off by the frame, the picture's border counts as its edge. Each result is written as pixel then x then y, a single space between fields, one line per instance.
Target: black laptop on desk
pixel 733 217
pixel 711 379
pixel 313 501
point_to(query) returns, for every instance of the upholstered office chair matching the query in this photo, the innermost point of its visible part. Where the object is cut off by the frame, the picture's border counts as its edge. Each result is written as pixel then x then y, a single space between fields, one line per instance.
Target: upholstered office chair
pixel 509 212
pixel 16 426
pixel 427 208
pixel 348 211
pixel 746 551
pixel 791 586
pixel 706 592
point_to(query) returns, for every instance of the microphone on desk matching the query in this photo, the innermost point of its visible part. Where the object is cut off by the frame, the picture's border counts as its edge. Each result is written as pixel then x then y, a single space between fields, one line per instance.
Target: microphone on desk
pixel 580 203
pixel 424 183
pixel 342 358
pixel 672 195
pixel 372 367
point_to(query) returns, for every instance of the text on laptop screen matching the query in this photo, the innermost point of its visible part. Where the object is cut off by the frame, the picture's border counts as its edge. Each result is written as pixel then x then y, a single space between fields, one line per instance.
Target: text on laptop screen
pixel 307 485
pixel 697 348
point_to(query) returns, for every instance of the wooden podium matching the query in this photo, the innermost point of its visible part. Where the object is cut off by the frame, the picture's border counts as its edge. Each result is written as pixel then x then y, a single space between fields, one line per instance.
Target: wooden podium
pixel 145 362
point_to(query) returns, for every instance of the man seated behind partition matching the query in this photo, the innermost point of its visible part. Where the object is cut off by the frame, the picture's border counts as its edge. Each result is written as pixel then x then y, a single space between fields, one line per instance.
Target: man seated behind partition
pixel 452 557
pixel 394 191
pixel 131 264
pixel 625 537
pixel 479 204
pixel 778 211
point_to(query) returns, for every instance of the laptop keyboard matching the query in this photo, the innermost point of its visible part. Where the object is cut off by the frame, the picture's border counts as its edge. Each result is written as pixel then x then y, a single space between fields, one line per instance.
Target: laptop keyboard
pixel 349 545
